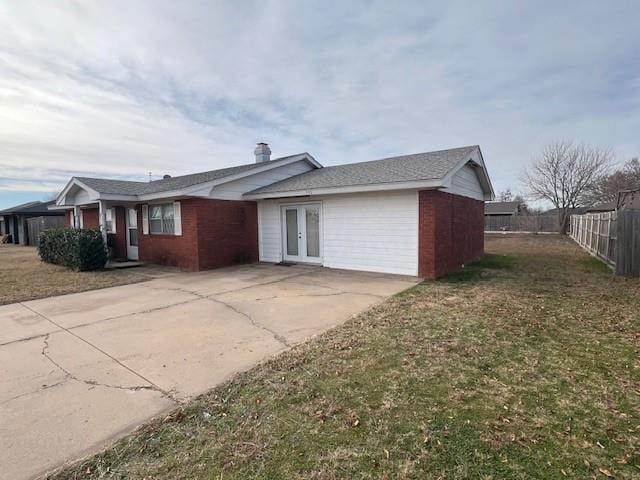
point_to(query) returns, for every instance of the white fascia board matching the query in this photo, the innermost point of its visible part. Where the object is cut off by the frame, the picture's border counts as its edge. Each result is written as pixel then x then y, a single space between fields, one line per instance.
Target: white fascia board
pixel 379 187
pixel 203 189
pixel 60 207
pixel 75 182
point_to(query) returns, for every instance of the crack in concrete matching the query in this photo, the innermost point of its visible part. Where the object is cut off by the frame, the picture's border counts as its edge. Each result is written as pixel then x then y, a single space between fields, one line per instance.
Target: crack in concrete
pixel 212 298
pixel 151 386
pixel 69 375
pixel 253 322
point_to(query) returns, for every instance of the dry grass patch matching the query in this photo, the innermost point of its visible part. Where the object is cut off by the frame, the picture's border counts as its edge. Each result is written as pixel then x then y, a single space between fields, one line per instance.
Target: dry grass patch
pixel 23 276
pixel 525 365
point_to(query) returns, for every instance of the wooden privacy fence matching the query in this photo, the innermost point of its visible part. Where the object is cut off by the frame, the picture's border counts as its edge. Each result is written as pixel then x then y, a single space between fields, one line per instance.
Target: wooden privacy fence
pixel 37 225
pixel 612 236
pixel 520 223
pixel 597 234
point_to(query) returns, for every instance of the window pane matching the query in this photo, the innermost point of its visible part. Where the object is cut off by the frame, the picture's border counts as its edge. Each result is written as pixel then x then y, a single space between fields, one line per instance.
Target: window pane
pixel 313 231
pixel 292 232
pixel 167 226
pixel 167 210
pixel 133 237
pixel 133 217
pixel 155 211
pixel 155 225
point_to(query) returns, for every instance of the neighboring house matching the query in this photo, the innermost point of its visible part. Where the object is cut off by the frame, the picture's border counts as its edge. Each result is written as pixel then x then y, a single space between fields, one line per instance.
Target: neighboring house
pixel 502 208
pixel 570 211
pixel 498 216
pixel 602 207
pixel 13 221
pixel 416 214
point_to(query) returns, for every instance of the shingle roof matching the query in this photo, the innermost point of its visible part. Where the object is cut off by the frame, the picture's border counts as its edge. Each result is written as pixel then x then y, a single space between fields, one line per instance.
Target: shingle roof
pixel 31 208
pixel 603 207
pixel 126 187
pixel 501 208
pixel 416 167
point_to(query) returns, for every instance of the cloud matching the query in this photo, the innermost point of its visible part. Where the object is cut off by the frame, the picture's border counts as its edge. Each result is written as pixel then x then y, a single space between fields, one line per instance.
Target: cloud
pixel 125 88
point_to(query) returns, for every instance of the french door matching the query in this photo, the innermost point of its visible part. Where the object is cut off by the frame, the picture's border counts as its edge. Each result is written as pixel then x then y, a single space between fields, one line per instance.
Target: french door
pixel 301 233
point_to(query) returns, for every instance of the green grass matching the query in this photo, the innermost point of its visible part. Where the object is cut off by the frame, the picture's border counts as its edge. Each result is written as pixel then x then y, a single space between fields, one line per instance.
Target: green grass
pixel 530 370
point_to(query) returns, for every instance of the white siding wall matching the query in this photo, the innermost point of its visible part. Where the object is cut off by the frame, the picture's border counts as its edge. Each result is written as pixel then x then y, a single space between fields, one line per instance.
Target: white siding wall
pixel 234 190
pixel 465 182
pixel 372 232
pixel 78 198
pixel 269 236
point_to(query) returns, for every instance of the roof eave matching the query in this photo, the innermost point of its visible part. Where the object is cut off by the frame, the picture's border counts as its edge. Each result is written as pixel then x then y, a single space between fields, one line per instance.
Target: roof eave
pixel 378 187
pixel 203 189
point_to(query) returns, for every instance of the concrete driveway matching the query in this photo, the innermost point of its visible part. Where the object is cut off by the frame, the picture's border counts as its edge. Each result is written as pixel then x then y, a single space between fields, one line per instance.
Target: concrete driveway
pixel 77 371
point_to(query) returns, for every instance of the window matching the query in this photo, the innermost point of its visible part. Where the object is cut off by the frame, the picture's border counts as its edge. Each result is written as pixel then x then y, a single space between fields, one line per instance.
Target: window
pixel 110 215
pixel 161 219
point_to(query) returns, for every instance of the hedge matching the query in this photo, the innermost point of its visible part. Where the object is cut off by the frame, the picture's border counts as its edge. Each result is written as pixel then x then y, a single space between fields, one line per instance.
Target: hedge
pixel 78 249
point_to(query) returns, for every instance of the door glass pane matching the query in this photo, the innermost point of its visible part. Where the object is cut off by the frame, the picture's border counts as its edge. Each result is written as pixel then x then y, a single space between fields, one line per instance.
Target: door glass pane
pixel 313 231
pixel 292 232
pixel 133 217
pixel 133 237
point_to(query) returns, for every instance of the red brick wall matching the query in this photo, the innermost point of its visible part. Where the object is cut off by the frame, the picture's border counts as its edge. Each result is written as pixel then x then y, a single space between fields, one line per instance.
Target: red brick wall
pixel 68 215
pixel 227 232
pixel 174 250
pixel 215 233
pixel 119 239
pixel 90 218
pixel 451 232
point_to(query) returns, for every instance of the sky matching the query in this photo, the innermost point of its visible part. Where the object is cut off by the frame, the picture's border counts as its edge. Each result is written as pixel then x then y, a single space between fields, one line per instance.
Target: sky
pixel 120 89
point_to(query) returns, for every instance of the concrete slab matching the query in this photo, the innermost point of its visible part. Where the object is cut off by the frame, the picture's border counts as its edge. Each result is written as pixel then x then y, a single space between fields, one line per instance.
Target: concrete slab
pixel 185 348
pixel 77 371
pixel 18 323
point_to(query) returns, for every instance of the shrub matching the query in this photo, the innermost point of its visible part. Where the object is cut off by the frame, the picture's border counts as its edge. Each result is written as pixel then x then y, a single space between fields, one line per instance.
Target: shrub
pixel 78 249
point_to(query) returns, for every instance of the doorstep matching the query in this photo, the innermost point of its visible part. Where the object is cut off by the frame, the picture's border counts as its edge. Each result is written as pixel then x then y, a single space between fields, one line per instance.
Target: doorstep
pixel 113 265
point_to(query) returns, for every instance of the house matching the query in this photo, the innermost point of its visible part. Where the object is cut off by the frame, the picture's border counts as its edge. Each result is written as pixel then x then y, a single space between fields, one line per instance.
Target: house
pixel 13 221
pixel 418 214
pixel 502 208
pixel 499 216
pixel 602 207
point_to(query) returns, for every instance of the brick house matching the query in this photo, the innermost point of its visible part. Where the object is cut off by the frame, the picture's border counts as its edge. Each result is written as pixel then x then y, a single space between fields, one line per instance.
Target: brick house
pixel 420 214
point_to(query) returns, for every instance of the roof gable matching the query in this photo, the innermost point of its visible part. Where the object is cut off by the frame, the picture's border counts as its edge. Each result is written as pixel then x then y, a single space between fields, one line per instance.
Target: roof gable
pixel 105 187
pixel 430 168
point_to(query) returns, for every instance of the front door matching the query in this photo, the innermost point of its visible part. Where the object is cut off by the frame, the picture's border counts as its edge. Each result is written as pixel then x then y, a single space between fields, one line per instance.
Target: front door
pixel 132 234
pixel 301 232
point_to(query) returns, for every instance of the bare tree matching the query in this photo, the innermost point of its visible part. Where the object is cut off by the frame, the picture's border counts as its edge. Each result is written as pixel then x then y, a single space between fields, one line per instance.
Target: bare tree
pixel 606 187
pixel 565 174
pixel 505 195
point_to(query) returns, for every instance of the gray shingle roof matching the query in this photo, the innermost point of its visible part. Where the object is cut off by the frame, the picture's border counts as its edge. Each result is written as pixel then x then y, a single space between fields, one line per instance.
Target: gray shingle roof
pixel 406 168
pixel 126 187
pixel 31 208
pixel 501 208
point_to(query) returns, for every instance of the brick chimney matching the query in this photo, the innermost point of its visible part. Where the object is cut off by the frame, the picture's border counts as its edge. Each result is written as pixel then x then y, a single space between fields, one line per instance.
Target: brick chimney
pixel 262 152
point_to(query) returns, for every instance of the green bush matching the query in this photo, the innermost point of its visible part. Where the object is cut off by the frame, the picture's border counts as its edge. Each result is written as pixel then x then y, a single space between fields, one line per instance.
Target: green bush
pixel 78 249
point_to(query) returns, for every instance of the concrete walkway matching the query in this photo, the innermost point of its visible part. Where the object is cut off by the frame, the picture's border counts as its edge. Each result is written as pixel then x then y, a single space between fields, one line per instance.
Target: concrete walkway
pixel 78 371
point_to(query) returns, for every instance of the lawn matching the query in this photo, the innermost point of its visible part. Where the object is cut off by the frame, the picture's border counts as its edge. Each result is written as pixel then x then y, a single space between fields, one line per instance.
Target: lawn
pixel 525 365
pixel 24 277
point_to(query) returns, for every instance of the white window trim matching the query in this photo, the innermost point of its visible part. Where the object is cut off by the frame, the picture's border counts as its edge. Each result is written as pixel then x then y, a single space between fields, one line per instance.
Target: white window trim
pixel 177 218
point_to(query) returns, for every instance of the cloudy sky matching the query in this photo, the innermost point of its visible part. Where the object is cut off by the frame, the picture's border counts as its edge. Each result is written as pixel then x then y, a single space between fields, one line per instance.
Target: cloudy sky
pixel 121 89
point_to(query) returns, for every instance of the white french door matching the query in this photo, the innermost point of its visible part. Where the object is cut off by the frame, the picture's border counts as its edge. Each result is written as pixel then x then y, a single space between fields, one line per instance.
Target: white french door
pixel 301 233
pixel 132 233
